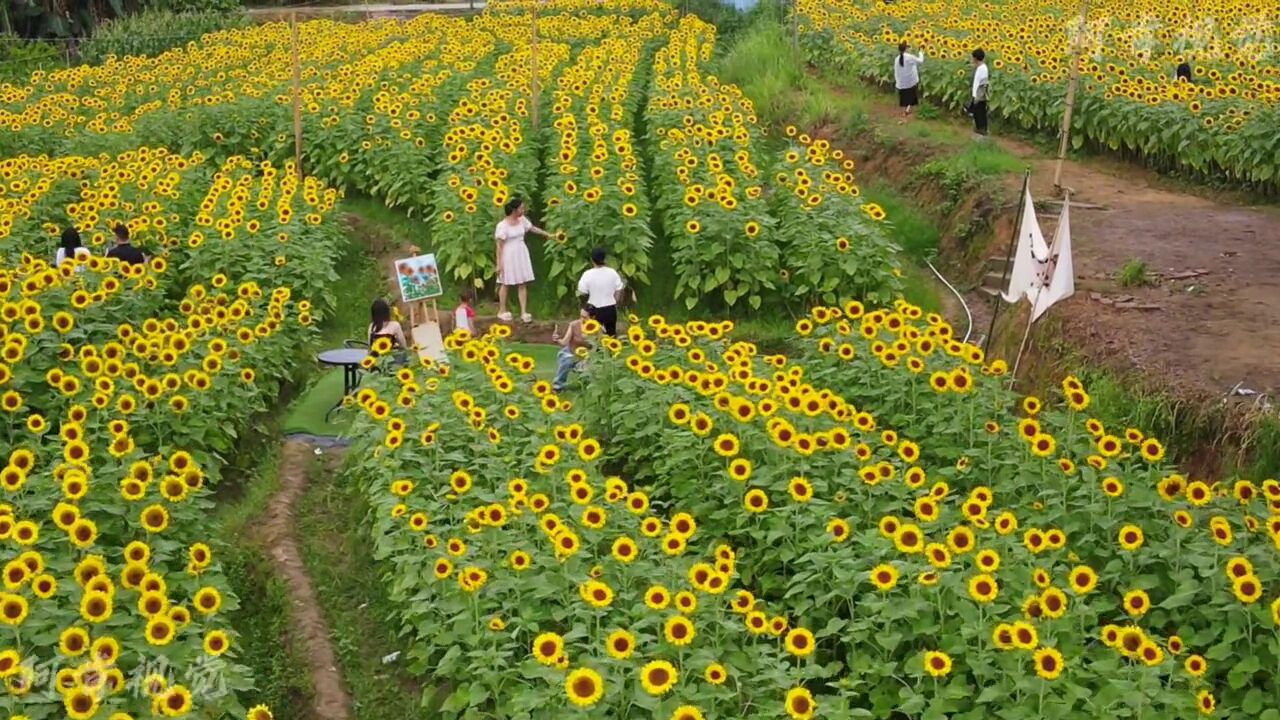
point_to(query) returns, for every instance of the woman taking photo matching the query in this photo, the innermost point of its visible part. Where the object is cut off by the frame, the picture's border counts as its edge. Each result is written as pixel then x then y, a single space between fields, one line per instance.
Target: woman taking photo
pixel 906 77
pixel 514 265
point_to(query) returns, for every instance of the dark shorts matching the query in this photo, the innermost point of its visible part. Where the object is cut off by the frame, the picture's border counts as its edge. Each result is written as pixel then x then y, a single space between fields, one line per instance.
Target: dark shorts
pixel 608 319
pixel 909 97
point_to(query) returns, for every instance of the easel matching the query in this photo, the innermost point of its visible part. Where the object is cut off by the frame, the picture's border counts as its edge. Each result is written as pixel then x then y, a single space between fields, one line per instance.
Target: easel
pixel 424 325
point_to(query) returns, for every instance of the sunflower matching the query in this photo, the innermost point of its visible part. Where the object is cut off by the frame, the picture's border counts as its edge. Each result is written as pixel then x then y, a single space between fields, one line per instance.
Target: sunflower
pixel 1048 663
pixel 1195 665
pixel 678 630
pixel 687 712
pixel 960 540
pixel 1043 445
pixel 884 577
pixel 800 704
pixel 740 469
pixel 755 501
pixel 1130 537
pixel 800 642
pixel 597 594
pixel 1054 603
pixel 624 550
pixel 1247 589
pixel 1199 493
pixel 937 663
pixel 1152 451
pixel 909 539
pixel 1112 487
pixel 1205 702
pixel 657 597
pixel 726 445
pixel 1024 636
pixel 547 648
pixel 987 560
pixel 620 644
pixel 658 676
pixel 983 588
pixel 1083 579
pixel 584 687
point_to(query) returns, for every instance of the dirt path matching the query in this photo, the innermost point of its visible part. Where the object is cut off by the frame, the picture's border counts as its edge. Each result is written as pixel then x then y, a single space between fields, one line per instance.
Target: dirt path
pixel 1210 331
pixel 311 633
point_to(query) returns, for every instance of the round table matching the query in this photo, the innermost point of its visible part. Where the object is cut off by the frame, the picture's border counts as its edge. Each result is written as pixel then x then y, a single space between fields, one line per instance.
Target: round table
pixel 349 359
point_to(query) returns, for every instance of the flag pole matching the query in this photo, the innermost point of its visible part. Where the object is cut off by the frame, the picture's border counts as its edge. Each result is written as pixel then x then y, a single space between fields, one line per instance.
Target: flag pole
pixel 1073 82
pixel 1008 260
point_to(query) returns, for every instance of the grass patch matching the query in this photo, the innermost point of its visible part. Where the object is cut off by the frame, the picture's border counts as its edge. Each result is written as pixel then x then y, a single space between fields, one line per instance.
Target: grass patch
pixel 920 288
pixel 1134 273
pixel 986 158
pixel 768 68
pixel 909 227
pixel 544 355
pixel 331 517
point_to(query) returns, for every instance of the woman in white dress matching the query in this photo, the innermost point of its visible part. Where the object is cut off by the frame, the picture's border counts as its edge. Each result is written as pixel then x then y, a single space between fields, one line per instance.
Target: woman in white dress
pixel 514 265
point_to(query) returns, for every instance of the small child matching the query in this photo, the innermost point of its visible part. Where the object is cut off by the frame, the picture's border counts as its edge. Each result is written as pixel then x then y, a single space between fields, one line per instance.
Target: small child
pixel 464 315
pixel 572 339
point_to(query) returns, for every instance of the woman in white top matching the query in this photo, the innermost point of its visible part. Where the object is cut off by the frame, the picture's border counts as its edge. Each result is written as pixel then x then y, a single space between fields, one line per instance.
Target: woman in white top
pixel 514 265
pixel 906 77
pixel 382 326
pixel 70 248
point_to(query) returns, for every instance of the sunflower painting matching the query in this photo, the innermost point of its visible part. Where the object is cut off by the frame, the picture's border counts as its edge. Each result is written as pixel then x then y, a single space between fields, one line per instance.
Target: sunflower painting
pixel 419 278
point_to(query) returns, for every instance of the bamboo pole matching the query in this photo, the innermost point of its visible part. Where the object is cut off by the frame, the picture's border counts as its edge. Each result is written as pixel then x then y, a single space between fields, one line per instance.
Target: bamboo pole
pixel 1073 83
pixel 297 95
pixel 533 62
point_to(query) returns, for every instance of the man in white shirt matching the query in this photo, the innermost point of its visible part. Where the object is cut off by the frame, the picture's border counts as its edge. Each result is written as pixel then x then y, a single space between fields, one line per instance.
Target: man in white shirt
pixel 981 91
pixel 602 285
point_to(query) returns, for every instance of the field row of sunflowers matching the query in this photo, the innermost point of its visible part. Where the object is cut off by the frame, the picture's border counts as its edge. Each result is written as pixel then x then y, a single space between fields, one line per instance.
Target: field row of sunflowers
pixel 122 392
pixel 747 541
pixel 1220 124
pixel 437 115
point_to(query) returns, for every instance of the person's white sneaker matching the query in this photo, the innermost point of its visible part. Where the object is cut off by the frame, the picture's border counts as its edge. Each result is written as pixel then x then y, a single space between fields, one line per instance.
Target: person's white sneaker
pixel 504 316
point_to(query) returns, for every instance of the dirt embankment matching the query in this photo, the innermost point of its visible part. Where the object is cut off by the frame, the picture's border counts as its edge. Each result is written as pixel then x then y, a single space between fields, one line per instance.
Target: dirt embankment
pixel 1197 332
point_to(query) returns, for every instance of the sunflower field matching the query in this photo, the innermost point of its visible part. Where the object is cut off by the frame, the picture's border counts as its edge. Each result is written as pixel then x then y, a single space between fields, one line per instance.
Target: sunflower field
pixel 122 390
pixel 436 115
pixel 747 541
pixel 870 526
pixel 1219 125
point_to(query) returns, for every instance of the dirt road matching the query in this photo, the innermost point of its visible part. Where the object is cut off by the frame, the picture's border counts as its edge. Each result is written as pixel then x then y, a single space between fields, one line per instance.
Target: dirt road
pixel 1209 321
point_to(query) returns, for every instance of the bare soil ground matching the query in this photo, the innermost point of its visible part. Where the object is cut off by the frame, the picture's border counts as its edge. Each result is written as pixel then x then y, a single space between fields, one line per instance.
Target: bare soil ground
pixel 277 534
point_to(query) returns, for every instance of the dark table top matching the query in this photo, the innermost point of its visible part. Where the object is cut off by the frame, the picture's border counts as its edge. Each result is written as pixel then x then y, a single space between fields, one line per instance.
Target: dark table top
pixel 342 356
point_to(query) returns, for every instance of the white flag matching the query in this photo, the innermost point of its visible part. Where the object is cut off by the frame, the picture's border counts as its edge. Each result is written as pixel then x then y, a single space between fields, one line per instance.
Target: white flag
pixel 1060 273
pixel 1030 255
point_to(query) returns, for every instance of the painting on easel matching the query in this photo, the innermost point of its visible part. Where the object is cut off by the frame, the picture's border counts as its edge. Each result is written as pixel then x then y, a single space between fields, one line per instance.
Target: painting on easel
pixel 419 278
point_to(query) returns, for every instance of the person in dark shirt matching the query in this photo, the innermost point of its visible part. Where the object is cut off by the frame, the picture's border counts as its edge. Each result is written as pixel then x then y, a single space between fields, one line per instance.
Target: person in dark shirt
pixel 124 251
pixel 1183 72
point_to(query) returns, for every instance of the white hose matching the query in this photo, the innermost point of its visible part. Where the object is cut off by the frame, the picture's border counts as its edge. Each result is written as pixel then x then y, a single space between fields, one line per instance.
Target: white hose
pixel 963 304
